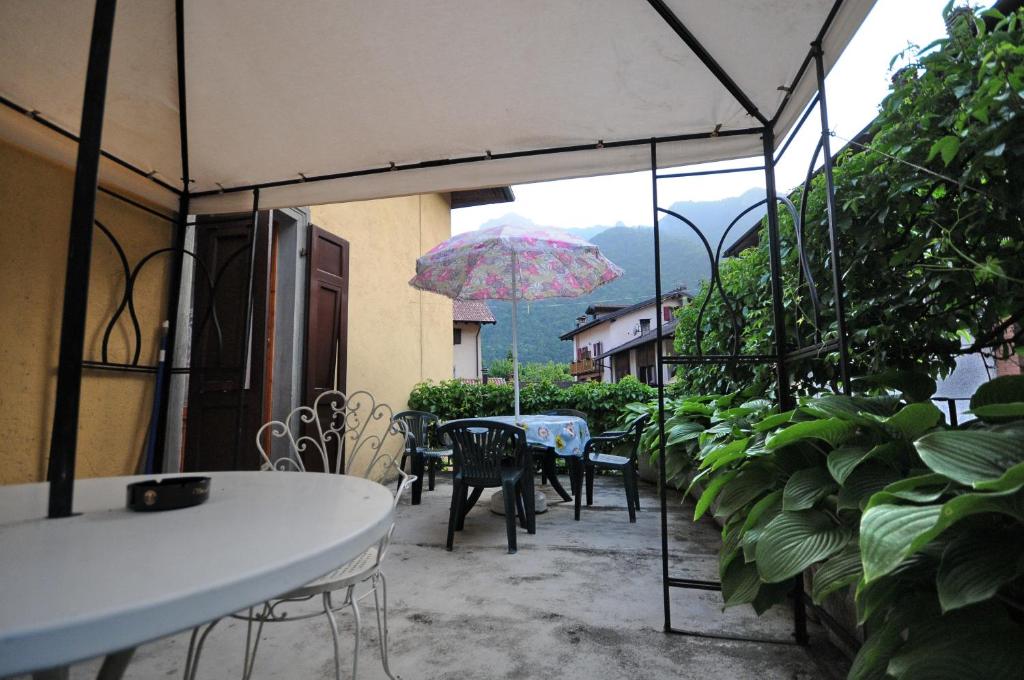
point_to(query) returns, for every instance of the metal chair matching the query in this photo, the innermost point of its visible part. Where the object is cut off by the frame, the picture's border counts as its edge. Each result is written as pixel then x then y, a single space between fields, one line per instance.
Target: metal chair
pixel 488 454
pixel 422 448
pixel 343 435
pixel 595 455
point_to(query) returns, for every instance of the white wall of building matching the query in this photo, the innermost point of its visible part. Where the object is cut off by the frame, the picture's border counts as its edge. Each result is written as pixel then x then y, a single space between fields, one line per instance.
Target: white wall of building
pixel 466 354
pixel 617 332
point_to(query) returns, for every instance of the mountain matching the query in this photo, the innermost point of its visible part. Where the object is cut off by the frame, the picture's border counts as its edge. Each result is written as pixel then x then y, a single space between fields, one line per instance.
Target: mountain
pixel 684 263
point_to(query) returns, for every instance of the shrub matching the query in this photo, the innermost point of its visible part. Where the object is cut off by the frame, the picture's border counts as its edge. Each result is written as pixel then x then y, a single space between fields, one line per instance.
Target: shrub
pixel 602 402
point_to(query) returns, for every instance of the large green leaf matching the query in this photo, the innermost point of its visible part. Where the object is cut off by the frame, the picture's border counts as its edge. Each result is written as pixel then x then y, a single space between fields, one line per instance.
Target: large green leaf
pixel 873 657
pixel 843 460
pixel 838 571
pixel 913 420
pixel 806 487
pixel 889 533
pixel 976 642
pixel 918 489
pixel 710 492
pixel 840 406
pixel 773 421
pixel 976 564
pixel 794 541
pixel 740 583
pixel 915 386
pixel 676 463
pixel 752 481
pixel 726 453
pixel 760 514
pixel 970 456
pixel 866 480
pixel 682 432
pixel 999 412
pixel 1005 389
pixel 832 430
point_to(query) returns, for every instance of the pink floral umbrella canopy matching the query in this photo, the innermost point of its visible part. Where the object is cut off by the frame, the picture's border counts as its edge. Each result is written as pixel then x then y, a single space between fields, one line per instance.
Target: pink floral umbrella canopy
pixel 514 263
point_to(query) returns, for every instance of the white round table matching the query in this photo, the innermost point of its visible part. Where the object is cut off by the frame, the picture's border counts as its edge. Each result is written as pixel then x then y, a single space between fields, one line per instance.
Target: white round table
pixel 109 579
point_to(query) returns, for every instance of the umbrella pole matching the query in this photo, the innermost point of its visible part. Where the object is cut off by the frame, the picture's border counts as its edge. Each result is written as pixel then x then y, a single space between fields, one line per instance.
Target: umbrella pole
pixel 515 341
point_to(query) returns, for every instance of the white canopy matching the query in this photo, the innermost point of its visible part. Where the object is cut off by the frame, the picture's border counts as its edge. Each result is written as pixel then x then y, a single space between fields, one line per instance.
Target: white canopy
pixel 277 90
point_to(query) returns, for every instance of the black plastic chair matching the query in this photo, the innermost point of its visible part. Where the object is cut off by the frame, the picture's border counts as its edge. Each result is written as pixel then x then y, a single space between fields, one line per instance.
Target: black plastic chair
pixel 423 448
pixel 489 455
pixel 595 455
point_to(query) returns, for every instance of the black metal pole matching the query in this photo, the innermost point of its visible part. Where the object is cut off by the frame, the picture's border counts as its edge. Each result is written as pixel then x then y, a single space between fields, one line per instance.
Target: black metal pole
pixel 779 326
pixel 662 482
pixel 64 437
pixel 775 271
pixel 243 378
pixel 833 236
pixel 174 291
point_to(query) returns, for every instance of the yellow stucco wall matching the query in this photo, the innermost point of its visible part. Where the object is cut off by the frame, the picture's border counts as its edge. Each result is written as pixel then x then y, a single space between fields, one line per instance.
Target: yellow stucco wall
pixel 397 335
pixel 35 204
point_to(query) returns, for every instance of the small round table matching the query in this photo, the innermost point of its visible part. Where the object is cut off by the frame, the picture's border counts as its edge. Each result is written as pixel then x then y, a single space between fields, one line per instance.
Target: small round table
pixel 563 436
pixel 108 579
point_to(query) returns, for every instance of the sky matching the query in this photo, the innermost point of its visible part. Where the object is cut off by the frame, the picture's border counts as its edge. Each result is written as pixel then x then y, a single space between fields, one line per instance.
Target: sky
pixel 854 88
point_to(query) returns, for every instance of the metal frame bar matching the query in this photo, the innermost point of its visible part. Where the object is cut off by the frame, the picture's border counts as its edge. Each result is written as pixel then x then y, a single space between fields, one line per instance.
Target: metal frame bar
pixel 174 292
pixel 443 162
pixel 705 57
pixel 37 117
pixel 64 437
pixel 246 352
pixel 781 356
pixel 833 236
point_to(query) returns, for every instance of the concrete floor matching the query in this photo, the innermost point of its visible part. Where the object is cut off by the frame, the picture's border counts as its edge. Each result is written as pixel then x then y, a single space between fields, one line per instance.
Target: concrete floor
pixel 580 600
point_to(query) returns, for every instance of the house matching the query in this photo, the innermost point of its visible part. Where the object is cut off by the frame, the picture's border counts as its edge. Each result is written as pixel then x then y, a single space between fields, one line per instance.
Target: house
pixel 331 298
pixel 468 317
pixel 613 341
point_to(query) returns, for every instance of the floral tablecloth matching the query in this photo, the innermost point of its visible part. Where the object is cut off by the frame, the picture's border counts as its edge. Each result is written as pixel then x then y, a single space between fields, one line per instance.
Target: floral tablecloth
pixel 567 435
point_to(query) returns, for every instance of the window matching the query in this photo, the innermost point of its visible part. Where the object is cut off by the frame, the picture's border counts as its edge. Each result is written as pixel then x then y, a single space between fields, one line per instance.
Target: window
pixel 666 313
pixel 458 336
pixel 645 326
pixel 598 348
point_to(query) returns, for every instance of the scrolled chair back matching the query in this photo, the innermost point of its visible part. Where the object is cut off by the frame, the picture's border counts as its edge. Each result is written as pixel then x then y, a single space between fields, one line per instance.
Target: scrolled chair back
pixel 481 447
pixel 343 434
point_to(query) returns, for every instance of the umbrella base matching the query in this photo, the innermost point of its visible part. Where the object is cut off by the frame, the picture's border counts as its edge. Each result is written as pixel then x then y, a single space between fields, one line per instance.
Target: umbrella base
pixel 498 502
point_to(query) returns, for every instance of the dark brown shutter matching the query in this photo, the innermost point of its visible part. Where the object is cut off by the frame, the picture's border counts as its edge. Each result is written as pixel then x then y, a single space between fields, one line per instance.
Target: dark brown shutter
pixel 326 314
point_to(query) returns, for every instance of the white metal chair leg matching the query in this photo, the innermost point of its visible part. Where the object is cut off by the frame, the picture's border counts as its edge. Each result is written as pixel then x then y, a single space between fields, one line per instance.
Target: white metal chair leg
pixel 249 662
pixel 195 650
pixel 354 603
pixel 334 635
pixel 382 620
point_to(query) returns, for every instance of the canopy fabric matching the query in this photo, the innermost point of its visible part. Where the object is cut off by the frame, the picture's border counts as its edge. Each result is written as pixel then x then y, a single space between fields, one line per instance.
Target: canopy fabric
pixel 278 90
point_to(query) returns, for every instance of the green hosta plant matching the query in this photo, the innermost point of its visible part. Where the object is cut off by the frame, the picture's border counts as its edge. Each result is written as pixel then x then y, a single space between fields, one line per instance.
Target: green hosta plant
pixel 924 521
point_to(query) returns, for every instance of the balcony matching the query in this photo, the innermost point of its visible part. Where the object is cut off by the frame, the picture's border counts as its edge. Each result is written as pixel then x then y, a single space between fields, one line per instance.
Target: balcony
pixel 584 367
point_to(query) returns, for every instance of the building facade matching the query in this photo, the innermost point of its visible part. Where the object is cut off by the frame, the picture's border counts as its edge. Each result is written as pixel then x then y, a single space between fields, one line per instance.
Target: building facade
pixel 468 318
pixel 612 341
pixel 332 308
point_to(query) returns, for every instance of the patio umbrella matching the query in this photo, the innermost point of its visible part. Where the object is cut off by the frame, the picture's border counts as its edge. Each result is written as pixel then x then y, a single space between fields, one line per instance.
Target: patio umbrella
pixel 514 263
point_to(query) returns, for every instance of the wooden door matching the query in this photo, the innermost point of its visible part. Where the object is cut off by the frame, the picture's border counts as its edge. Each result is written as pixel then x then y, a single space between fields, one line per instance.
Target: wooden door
pixel 326 352
pixel 226 382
